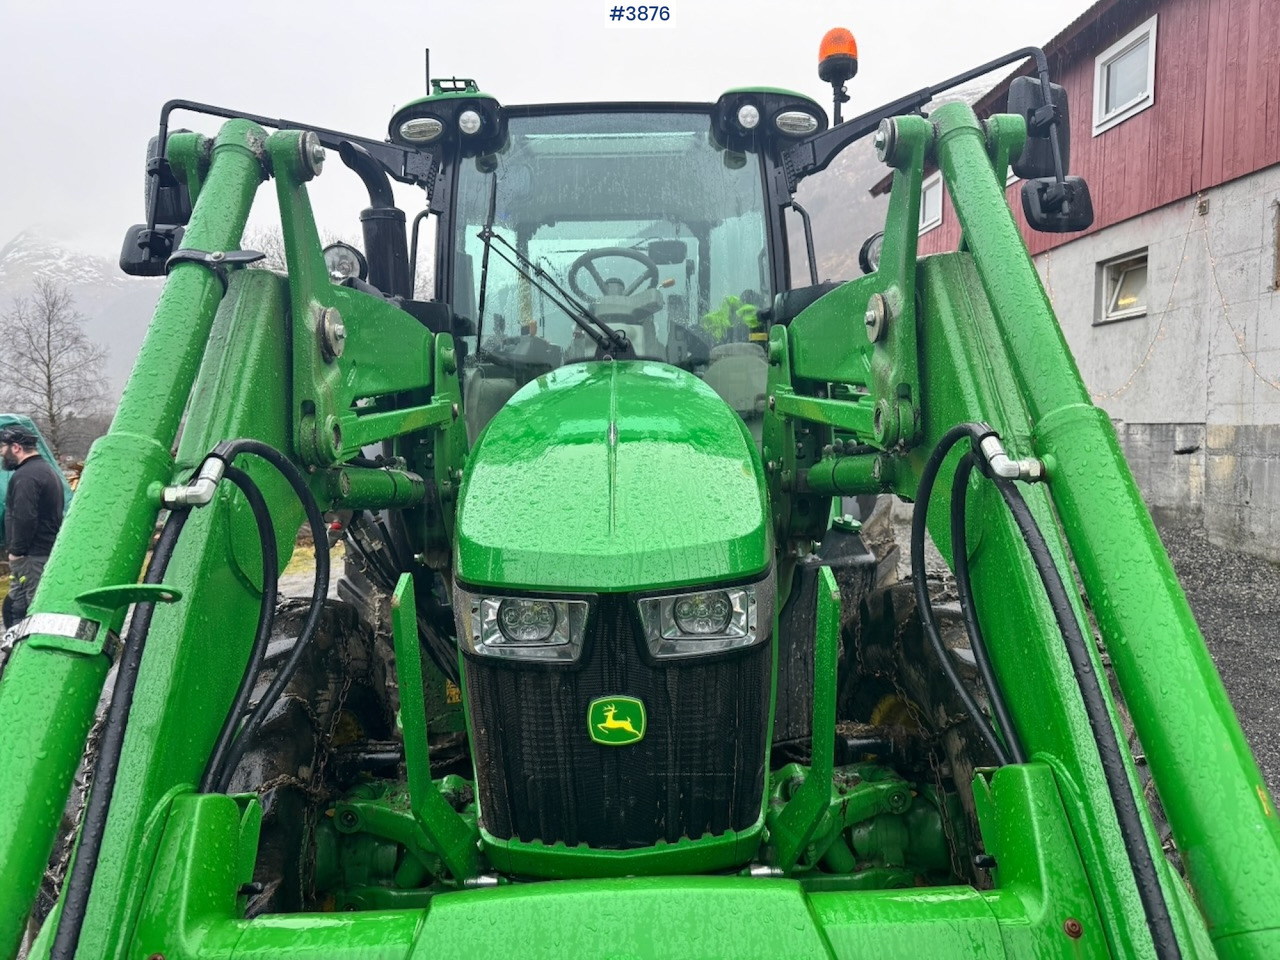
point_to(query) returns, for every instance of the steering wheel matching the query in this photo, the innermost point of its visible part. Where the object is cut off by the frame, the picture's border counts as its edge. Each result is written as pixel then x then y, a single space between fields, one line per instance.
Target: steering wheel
pixel 587 262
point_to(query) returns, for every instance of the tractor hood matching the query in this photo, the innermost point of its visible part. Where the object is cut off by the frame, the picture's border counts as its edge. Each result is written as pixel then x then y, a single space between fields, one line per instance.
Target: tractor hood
pixel 612 476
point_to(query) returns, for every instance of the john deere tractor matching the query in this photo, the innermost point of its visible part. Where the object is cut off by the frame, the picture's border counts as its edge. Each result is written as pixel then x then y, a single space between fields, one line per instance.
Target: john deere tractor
pixel 610 672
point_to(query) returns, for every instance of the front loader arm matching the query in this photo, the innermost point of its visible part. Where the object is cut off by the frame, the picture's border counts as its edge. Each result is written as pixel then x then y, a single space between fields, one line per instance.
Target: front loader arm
pixel 984 345
pixel 314 370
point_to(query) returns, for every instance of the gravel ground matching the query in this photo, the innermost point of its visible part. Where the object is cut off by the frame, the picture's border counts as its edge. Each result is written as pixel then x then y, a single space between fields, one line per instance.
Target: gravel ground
pixel 1236 600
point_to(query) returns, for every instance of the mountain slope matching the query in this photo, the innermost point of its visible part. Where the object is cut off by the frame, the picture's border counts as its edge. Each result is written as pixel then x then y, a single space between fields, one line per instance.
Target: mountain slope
pixel 117 308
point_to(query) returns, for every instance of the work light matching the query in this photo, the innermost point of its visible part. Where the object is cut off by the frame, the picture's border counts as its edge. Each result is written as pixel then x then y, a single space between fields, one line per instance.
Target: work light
pixel 796 123
pixel 343 261
pixel 421 129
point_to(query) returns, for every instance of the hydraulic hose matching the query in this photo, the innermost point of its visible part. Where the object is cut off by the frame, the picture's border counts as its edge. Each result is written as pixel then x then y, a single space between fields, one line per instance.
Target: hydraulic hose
pixel 960 565
pixel 1145 875
pixel 266 618
pixel 227 753
pixel 75 897
pixel 919 519
pixel 227 452
pixel 1141 861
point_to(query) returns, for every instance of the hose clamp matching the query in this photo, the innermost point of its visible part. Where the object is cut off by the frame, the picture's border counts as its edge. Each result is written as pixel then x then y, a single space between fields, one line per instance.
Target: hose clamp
pixel 217 261
pixel 60 631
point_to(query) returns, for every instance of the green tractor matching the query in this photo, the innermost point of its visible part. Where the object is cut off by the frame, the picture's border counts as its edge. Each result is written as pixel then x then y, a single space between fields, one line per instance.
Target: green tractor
pixel 610 672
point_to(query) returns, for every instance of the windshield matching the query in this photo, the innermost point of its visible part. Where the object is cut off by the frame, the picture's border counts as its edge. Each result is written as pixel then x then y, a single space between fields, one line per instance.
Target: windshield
pixel 639 217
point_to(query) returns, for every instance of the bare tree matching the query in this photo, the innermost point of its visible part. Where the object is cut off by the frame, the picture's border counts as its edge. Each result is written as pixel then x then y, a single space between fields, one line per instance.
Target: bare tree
pixel 270 241
pixel 49 368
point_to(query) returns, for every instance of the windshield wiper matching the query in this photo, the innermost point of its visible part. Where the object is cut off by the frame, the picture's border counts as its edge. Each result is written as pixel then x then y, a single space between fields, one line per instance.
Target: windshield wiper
pixel 608 340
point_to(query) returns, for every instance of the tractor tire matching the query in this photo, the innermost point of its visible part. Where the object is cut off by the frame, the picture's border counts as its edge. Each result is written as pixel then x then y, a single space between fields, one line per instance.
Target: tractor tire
pixel 338 695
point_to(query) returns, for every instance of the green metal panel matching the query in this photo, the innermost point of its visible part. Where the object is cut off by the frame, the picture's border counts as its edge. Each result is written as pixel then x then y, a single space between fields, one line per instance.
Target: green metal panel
pixel 328 427
pixel 700 855
pixel 612 476
pixel 191 910
pixel 445 831
pixel 794 828
pixel 659 917
pixel 970 377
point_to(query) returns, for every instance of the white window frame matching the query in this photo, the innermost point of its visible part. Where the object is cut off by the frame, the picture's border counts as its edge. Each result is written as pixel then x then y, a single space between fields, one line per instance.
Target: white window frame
pixel 933 180
pixel 1102 120
pixel 1108 294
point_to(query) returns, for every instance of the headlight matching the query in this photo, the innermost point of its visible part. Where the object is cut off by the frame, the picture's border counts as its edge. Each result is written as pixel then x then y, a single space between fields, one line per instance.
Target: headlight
pixel 748 116
pixel 527 621
pixel 469 122
pixel 523 628
pixel 707 621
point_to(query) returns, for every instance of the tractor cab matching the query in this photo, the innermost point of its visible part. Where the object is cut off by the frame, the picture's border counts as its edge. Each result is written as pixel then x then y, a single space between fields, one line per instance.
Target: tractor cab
pixel 579 232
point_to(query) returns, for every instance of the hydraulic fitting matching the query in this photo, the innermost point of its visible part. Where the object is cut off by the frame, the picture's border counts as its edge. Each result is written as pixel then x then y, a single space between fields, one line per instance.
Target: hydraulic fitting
pixel 1002 465
pixel 199 493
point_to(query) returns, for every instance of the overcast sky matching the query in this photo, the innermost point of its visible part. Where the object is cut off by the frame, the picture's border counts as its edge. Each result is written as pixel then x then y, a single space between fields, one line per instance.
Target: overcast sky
pixel 81 83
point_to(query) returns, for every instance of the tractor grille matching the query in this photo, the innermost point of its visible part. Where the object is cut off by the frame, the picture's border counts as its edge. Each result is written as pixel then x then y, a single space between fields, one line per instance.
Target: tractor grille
pixel 699 769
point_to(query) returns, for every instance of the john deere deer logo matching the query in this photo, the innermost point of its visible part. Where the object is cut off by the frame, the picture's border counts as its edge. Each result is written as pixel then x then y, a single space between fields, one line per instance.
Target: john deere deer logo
pixel 616 721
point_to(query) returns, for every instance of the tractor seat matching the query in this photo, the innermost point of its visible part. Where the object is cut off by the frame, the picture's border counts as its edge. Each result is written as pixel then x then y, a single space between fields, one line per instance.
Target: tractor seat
pixel 739 373
pixel 484 396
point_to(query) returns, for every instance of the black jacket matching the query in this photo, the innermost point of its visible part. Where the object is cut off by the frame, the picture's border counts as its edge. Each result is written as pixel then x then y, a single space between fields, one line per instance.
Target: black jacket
pixel 33 508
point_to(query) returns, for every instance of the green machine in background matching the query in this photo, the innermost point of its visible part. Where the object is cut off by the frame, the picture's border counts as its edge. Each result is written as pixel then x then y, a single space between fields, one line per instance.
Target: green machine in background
pixel 605 678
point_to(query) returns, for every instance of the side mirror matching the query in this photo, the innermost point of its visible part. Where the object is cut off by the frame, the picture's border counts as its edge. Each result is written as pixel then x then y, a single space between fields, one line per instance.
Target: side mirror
pixel 145 253
pixel 1026 98
pixel 667 253
pixel 172 201
pixel 1054 208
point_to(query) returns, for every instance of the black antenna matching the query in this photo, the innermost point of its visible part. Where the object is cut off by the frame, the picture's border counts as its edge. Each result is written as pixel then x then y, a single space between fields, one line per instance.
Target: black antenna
pixel 426 56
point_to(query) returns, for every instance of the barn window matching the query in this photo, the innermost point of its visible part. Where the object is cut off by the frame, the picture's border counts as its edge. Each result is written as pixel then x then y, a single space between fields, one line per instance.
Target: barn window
pixel 1124 78
pixel 931 202
pixel 1123 288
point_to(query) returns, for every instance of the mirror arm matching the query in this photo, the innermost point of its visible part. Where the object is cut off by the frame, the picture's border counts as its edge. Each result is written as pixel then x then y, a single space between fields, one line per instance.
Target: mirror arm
pixel 398 161
pixel 816 153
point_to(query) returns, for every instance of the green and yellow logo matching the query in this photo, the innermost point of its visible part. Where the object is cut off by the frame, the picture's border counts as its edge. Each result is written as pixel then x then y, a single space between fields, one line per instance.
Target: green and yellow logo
pixel 616 721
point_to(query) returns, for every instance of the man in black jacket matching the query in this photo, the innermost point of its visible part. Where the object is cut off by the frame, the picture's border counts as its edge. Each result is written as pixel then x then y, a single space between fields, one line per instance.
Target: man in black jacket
pixel 32 516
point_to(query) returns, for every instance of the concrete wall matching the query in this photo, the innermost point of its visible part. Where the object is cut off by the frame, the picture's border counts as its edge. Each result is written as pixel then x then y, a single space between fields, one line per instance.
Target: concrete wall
pixel 1194 385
